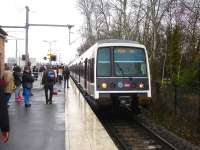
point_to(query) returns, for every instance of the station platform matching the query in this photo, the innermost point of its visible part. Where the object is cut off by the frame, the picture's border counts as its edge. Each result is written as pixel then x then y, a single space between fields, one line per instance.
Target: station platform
pixel 67 124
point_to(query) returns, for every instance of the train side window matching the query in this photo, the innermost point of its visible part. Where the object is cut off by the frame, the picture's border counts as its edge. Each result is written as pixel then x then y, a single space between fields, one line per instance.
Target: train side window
pixel 103 62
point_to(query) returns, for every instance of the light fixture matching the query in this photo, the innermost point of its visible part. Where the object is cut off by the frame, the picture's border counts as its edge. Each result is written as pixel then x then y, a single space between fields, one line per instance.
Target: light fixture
pixel 141 85
pixel 104 85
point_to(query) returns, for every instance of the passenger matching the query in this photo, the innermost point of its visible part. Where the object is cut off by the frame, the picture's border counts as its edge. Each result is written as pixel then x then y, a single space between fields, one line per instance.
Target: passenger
pixel 18 81
pixel 27 83
pixel 48 80
pixel 4 119
pixel 9 83
pixel 60 74
pixel 66 74
pixel 56 73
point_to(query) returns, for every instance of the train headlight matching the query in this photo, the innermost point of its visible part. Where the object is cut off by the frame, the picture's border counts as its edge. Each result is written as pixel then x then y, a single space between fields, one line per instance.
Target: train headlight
pixel 141 85
pixel 104 86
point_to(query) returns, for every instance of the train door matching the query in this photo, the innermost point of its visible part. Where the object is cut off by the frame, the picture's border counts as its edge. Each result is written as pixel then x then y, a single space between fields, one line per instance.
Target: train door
pixel 85 73
pixel 92 70
pixel 79 73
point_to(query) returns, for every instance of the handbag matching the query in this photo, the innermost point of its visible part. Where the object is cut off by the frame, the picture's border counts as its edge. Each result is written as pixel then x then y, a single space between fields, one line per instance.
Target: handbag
pixel 14 87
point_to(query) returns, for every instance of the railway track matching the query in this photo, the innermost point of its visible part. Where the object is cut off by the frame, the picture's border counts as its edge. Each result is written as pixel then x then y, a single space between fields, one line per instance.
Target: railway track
pixel 126 130
pixel 130 134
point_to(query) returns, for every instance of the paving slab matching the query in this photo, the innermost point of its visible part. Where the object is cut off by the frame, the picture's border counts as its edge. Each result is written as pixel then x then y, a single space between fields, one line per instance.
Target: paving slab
pixel 40 127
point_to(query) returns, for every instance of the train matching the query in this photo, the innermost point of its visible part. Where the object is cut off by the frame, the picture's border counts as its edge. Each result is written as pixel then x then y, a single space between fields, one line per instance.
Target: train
pixel 114 72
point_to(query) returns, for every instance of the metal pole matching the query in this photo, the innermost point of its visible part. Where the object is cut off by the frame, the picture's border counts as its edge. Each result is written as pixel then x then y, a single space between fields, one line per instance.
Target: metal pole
pixel 12 26
pixel 50 52
pixel 69 35
pixel 69 27
pixel 59 58
pixel 48 25
pixel 16 50
pixel 26 36
pixel 27 29
pixel 163 69
pixel 19 59
pixel 198 88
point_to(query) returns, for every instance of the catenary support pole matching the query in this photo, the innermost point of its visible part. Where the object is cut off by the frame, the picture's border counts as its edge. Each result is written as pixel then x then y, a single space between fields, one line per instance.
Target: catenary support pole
pixel 26 36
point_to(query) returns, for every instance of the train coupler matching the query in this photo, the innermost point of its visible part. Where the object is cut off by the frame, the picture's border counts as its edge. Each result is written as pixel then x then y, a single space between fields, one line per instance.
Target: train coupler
pixel 125 100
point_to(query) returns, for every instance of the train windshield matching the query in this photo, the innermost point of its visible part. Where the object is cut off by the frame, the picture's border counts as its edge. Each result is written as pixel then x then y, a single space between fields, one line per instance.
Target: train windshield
pixel 104 62
pixel 129 62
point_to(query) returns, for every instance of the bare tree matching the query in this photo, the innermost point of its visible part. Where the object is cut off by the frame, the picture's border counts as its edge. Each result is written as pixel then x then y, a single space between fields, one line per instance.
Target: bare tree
pixel 87 7
pixel 145 21
pixel 104 13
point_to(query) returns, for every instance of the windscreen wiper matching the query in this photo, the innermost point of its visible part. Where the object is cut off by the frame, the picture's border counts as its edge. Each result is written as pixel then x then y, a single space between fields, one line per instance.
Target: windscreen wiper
pixel 120 68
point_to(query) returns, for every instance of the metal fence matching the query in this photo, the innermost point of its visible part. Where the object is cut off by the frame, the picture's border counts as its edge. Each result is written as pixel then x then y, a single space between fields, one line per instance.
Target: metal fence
pixel 37 84
pixel 180 100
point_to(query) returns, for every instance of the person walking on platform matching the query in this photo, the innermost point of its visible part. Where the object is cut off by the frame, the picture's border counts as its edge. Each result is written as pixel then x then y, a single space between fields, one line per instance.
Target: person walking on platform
pixel 18 81
pixel 66 74
pixel 9 83
pixel 48 80
pixel 4 119
pixel 60 74
pixel 27 83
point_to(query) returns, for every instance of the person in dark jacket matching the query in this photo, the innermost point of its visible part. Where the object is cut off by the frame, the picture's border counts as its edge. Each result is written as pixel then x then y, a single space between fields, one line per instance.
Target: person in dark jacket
pixel 48 80
pixel 18 81
pixel 4 119
pixel 27 83
pixel 66 74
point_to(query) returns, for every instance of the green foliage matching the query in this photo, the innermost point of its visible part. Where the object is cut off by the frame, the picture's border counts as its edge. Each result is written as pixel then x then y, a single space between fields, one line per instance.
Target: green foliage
pixel 186 78
pixel 190 76
pixel 176 49
pixel 196 67
pixel 174 52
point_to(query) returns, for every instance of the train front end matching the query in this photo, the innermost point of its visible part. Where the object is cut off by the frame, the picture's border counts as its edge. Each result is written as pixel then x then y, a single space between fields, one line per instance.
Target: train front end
pixel 123 75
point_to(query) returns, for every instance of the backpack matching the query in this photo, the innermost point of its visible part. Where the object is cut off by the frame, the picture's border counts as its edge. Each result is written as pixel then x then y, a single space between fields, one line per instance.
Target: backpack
pixel 50 75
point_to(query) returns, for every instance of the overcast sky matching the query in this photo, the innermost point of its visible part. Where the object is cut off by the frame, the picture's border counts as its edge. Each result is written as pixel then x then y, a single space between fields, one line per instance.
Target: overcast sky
pixel 12 12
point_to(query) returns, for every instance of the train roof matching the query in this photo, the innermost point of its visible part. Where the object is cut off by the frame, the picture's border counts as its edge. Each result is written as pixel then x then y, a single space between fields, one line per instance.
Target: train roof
pixel 108 42
pixel 116 41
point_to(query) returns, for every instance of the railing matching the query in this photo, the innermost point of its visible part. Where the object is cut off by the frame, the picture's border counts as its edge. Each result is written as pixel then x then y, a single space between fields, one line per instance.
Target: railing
pixel 38 79
pixel 180 104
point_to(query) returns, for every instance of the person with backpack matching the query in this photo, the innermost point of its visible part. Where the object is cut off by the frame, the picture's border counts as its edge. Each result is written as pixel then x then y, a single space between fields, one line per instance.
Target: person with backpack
pixel 48 81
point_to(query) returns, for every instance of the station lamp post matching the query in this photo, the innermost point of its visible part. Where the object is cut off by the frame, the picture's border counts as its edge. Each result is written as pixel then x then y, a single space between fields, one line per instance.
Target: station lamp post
pixel 50 47
pixel 50 44
pixel 26 27
pixel 17 56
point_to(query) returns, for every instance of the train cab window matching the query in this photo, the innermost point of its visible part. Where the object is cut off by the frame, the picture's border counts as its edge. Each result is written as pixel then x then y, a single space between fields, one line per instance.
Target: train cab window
pixel 103 62
pixel 129 61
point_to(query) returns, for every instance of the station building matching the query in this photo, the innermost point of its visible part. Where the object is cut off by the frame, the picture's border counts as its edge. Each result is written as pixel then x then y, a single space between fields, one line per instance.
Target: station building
pixel 3 36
